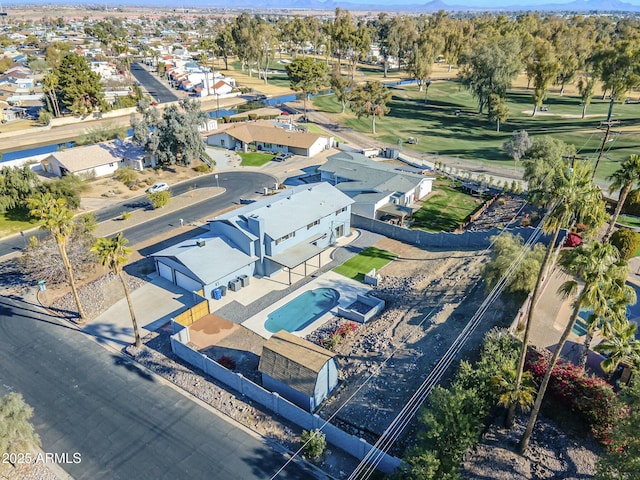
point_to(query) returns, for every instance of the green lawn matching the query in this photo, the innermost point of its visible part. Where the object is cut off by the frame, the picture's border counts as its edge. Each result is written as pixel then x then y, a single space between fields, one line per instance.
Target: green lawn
pixel 15 221
pixel 255 159
pixel 364 262
pixel 313 128
pixel 472 136
pixel 446 209
pixel 629 220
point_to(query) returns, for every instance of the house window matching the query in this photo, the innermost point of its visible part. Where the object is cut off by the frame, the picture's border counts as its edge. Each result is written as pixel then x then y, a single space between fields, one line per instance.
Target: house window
pixel 267 145
pixel 286 237
pixel 313 224
pixel 112 164
pixel 343 209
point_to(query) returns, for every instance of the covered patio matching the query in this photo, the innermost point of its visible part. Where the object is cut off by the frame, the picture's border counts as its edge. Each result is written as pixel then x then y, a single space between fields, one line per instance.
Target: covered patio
pixel 299 255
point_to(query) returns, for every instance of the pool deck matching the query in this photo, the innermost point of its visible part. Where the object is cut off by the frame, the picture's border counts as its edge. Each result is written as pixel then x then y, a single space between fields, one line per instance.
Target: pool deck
pixel 349 289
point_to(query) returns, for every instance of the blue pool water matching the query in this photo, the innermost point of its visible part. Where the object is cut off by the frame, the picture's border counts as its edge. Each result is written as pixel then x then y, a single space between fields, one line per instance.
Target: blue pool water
pixel 633 314
pixel 302 310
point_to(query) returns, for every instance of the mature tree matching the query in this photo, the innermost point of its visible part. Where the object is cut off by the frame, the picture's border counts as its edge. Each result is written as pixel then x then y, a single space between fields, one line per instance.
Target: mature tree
pixel 423 54
pixel 627 241
pixel 113 254
pixel 623 179
pixel 598 266
pixel 79 89
pixel 498 111
pixel 370 100
pixel 586 86
pixel 267 38
pixel 341 86
pixel 17 184
pixel 174 137
pixel 621 460
pixel 490 67
pixel 508 251
pixel 382 36
pixel 50 87
pixel 517 145
pixel 545 155
pixel 224 43
pixel 342 32
pixel 544 69
pixel 243 31
pixel 402 36
pixel 620 345
pixel 307 76
pixel 619 69
pixel 16 431
pixel 58 220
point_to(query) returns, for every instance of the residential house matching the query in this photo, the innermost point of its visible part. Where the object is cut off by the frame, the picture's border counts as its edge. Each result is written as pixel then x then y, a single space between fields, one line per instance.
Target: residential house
pixel 298 370
pixel 97 160
pixel 262 238
pixel 377 188
pixel 266 137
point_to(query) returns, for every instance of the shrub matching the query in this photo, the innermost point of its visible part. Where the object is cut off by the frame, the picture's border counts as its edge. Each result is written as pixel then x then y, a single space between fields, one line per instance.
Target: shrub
pixel 68 187
pixel 253 116
pixel 203 168
pixel 632 203
pixel 159 199
pixel 627 242
pixel 227 362
pixel 314 443
pixel 44 117
pixel 125 215
pixel 126 175
pixel 337 335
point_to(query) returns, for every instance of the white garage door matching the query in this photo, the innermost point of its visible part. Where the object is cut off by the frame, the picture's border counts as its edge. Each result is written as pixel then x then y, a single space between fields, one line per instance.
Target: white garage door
pixel 187 283
pixel 165 271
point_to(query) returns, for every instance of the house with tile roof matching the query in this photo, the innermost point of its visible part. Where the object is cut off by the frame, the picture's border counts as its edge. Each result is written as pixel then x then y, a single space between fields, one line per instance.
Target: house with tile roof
pixel 278 232
pixel 298 370
pixel 377 188
pixel 267 137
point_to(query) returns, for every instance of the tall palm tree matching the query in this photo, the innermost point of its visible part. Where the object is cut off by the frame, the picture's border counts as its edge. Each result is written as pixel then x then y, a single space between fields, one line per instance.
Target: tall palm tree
pixel 614 316
pixel 598 265
pixel 58 220
pixel 620 345
pixel 113 254
pixel 622 179
pixel 570 196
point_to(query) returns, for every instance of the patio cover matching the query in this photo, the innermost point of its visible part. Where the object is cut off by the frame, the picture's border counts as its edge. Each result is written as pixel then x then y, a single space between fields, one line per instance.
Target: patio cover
pixel 298 254
pixel 396 210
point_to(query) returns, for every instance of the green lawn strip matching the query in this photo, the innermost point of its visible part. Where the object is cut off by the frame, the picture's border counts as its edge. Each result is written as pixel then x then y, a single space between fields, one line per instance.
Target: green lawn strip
pixel 15 221
pixel 364 262
pixel 313 128
pixel 629 221
pixel 446 209
pixel 255 159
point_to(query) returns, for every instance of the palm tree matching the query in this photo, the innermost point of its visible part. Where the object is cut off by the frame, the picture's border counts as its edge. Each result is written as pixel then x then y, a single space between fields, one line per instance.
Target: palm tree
pixel 598 265
pixel 521 395
pixel 622 179
pixel 113 254
pixel 570 196
pixel 621 345
pixel 58 220
pixel 614 316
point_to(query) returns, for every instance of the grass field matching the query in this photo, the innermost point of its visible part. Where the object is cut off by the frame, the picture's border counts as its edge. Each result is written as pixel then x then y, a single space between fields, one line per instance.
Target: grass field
pixel 255 159
pixel 15 221
pixel 446 209
pixel 313 128
pixel 364 262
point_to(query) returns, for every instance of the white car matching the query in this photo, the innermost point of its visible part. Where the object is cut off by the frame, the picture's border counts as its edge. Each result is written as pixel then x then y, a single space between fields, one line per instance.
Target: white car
pixel 158 187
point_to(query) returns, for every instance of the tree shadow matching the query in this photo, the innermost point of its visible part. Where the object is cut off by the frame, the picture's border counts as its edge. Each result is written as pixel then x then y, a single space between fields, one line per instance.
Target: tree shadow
pixel 130 365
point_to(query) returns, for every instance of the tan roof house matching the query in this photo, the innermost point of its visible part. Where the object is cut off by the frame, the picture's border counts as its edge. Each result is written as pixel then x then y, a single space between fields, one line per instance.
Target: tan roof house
pixel 298 370
pixel 267 137
pixel 97 160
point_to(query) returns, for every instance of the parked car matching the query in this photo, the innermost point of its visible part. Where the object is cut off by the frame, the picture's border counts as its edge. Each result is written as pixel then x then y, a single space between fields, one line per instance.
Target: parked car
pixel 281 157
pixel 158 187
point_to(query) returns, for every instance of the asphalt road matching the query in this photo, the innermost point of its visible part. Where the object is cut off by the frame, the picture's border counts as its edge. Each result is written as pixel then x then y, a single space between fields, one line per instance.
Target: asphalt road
pixel 124 423
pixel 237 184
pixel 158 91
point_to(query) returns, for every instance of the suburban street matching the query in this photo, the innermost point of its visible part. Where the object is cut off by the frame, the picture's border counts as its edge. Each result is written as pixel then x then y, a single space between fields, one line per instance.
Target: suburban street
pixel 124 422
pixel 237 185
pixel 158 91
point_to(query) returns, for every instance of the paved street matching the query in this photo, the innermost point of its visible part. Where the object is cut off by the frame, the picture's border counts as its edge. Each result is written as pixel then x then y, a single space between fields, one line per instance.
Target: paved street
pixel 125 423
pixel 158 90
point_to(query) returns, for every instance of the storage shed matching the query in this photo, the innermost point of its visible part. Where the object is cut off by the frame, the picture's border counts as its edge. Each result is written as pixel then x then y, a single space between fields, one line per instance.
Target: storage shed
pixel 298 370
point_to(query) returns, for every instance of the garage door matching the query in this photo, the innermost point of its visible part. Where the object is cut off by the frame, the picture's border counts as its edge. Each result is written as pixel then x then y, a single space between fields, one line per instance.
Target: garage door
pixel 165 271
pixel 187 283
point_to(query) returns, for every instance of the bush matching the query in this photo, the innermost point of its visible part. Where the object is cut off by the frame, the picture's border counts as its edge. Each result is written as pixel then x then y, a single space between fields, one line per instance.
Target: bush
pixel 626 241
pixel 68 187
pixel 203 168
pixel 632 203
pixel 314 443
pixel 125 215
pixel 159 199
pixel 126 175
pixel 44 117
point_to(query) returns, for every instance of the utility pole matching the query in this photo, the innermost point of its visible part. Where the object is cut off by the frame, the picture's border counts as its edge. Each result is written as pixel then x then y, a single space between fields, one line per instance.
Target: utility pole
pixel 573 158
pixel 609 124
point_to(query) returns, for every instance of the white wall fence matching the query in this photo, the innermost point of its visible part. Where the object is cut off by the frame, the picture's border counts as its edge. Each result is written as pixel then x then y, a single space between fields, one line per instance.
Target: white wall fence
pixel 351 444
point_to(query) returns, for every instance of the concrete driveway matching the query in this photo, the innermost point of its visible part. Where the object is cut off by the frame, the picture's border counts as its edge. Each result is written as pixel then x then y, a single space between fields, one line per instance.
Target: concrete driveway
pixel 155 303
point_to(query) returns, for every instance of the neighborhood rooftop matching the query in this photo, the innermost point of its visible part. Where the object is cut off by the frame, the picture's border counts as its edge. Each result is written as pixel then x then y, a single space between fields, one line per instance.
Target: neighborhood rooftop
pixel 267 133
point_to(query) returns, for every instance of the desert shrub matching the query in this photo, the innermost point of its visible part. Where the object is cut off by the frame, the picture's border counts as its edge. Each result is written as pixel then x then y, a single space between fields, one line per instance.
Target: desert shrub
pixel 159 199
pixel 126 175
pixel 626 241
pixel 44 117
pixel 314 443
pixel 202 168
pixel 253 116
pixel 125 215
pixel 227 362
pixel 337 335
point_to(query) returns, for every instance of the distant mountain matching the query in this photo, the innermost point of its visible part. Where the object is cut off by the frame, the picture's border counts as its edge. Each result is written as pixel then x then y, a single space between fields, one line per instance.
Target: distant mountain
pixel 358 5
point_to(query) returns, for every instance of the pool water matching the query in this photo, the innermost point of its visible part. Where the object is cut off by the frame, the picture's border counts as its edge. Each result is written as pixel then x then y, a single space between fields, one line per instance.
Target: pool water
pixel 302 310
pixel 633 314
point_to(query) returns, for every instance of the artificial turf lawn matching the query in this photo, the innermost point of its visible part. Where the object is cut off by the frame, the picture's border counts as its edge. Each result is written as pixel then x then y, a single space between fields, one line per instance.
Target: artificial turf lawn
pixel 364 262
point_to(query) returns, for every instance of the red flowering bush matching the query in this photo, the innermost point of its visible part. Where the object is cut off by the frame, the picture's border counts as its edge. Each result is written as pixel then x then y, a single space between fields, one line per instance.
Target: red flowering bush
pixel 592 397
pixel 337 335
pixel 227 362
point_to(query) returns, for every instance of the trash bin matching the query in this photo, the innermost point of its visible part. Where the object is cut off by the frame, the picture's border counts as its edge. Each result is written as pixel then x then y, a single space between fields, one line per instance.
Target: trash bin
pixel 235 285
pixel 244 280
pixel 216 293
pixel 223 289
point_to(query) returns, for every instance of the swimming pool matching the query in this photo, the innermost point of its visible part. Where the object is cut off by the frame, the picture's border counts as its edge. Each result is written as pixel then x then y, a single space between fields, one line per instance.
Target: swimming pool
pixel 302 310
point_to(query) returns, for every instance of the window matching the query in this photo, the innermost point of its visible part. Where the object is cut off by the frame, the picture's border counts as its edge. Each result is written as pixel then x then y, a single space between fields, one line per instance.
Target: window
pixel 313 224
pixel 343 209
pixel 286 237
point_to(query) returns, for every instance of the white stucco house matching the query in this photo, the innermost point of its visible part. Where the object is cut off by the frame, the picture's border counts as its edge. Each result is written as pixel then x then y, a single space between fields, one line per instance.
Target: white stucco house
pixel 376 188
